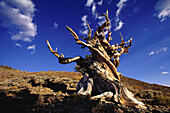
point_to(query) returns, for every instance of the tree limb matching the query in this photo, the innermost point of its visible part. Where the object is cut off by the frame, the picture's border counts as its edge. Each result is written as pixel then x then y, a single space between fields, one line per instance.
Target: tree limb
pixel 52 51
pixel 90 30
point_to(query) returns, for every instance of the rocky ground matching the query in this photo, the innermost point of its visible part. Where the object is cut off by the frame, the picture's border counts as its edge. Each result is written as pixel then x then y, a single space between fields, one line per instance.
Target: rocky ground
pixel 55 92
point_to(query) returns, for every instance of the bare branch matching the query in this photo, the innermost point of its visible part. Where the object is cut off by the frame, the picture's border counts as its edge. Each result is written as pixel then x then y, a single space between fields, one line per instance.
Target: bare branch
pixel 106 15
pixel 121 36
pixel 73 33
pixel 52 51
pixel 90 30
pixel 77 38
pixel 61 58
pixel 104 25
pixel 126 48
pixel 123 42
pixel 109 38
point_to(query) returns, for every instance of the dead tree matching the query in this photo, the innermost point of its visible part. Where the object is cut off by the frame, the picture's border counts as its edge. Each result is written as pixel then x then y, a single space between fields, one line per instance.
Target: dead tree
pixel 101 78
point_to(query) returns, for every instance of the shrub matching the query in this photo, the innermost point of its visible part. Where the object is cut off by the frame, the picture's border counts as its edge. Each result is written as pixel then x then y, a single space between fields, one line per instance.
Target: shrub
pixel 161 100
pixel 139 94
pixel 148 95
pixel 167 100
pixel 5 67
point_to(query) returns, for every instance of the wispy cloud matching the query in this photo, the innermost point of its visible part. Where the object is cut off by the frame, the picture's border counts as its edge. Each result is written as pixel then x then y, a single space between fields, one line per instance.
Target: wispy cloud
pixel 84 19
pixel 33 47
pixel 17 16
pixel 163 9
pixel 101 19
pixel 119 26
pixel 89 3
pixel 120 5
pixel 163 73
pixel 85 31
pixel 93 6
pixel 164 49
pixel 19 45
pixel 100 3
pixel 119 23
pixel 151 53
pixel 55 25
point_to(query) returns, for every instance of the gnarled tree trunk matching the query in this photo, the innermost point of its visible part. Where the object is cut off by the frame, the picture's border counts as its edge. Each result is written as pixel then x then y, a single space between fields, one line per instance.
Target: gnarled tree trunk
pixel 100 76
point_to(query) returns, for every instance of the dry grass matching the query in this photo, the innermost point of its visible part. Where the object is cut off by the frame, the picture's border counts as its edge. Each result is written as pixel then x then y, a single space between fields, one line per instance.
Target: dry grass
pixel 50 88
pixel 136 85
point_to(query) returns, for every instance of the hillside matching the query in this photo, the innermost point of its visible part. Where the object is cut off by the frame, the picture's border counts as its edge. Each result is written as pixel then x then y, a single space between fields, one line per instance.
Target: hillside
pixel 54 91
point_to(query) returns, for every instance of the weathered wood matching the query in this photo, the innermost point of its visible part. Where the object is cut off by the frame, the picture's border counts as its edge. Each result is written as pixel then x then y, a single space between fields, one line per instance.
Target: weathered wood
pixel 100 76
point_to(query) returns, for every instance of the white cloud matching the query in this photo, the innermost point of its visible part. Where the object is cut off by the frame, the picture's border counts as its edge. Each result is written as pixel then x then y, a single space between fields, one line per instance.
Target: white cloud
pixel 94 13
pixel 118 27
pixel 19 45
pixel 83 32
pixel 55 25
pixel 100 3
pixel 89 3
pixel 25 6
pixel 17 16
pixel 158 51
pixel 164 49
pixel 163 9
pixel 102 19
pixel 33 47
pixel 120 6
pixel 84 19
pixel 93 8
pixel 151 53
pixel 163 73
pixel 119 23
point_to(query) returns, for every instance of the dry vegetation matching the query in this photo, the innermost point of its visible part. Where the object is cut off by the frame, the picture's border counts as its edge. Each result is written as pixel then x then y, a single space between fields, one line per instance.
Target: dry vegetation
pixel 55 92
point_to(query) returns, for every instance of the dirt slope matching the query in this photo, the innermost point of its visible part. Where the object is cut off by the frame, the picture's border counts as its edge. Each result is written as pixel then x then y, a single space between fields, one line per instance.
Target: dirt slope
pixel 55 92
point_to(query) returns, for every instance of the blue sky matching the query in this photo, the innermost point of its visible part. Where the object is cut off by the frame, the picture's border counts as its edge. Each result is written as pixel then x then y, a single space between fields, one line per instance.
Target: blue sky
pixel 25 26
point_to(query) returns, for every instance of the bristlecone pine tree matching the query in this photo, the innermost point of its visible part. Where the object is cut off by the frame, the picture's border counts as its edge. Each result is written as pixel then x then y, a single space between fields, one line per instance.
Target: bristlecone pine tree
pixel 100 76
